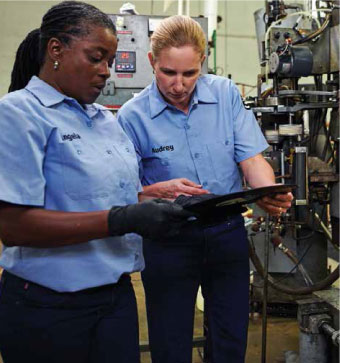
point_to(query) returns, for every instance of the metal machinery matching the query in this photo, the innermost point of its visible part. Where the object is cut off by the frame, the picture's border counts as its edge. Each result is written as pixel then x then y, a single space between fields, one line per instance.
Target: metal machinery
pixel 300 120
pixel 132 71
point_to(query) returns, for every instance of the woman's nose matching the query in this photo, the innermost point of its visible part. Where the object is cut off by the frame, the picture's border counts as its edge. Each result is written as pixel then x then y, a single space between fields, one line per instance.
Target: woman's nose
pixel 178 86
pixel 105 70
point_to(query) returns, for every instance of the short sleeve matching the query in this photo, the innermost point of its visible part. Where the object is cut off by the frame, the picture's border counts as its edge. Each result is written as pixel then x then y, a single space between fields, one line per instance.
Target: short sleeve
pixel 133 137
pixel 248 137
pixel 22 153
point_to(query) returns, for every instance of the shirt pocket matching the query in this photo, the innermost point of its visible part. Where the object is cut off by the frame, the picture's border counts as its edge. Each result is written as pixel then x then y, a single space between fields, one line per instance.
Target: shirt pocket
pixel 86 170
pixel 157 169
pixel 130 163
pixel 221 157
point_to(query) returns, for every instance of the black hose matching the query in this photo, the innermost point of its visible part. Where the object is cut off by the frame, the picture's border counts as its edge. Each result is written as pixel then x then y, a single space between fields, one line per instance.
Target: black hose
pixel 316 33
pixel 292 291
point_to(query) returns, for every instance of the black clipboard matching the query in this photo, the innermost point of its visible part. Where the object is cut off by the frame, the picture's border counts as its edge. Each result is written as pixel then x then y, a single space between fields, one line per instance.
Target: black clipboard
pixel 235 203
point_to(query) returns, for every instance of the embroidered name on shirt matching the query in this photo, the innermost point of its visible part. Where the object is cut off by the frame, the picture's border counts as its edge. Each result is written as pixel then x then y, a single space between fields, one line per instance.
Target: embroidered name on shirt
pixel 71 137
pixel 163 148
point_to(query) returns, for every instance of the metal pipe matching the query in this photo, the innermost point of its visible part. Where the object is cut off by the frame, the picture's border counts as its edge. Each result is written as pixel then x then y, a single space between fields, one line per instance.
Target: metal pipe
pixel 265 292
pixel 282 166
pixel 187 7
pixel 300 177
pixel 180 7
pixel 275 86
pixel 210 11
pixel 331 332
pixel 326 230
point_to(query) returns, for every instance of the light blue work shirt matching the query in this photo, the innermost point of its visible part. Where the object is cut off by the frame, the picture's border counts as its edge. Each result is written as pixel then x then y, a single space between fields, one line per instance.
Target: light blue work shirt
pixel 57 155
pixel 204 145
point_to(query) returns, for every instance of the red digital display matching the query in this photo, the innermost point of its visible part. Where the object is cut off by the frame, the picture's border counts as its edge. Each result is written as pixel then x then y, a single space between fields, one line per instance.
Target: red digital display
pixel 125 62
pixel 124 55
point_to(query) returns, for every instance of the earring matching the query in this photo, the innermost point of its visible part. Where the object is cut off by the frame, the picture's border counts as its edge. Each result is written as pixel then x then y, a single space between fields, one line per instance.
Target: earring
pixel 56 65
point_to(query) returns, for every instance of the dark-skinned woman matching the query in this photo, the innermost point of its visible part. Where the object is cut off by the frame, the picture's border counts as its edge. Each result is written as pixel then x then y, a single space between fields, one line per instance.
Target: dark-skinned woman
pixel 69 212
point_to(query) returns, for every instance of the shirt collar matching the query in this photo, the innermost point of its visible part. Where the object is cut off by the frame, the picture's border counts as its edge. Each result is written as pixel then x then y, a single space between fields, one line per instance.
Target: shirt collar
pixel 94 108
pixel 157 102
pixel 202 94
pixel 49 96
pixel 45 93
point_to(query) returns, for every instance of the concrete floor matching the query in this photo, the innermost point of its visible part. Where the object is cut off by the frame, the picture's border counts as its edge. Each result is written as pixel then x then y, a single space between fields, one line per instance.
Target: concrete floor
pixel 282 333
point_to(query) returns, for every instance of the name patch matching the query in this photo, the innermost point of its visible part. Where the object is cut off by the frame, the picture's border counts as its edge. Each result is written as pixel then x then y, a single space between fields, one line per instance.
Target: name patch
pixel 71 137
pixel 163 148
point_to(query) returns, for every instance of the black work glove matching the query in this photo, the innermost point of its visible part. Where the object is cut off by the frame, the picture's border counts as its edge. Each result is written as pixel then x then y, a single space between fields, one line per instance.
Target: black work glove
pixel 151 219
pixel 185 200
pixel 208 214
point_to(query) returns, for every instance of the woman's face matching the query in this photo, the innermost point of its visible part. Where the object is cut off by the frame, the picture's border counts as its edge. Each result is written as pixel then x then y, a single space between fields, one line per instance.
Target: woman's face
pixel 176 71
pixel 84 65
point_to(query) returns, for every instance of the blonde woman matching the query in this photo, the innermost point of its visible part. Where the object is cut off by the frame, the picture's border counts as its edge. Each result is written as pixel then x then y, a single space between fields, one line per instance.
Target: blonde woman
pixel 191 132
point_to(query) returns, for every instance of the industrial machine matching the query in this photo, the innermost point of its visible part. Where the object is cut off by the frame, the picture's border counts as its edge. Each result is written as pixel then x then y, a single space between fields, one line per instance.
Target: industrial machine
pixel 297 106
pixel 132 72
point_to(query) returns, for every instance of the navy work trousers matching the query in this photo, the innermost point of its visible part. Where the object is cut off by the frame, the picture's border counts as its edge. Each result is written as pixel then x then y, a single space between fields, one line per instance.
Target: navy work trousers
pixel 216 258
pixel 39 325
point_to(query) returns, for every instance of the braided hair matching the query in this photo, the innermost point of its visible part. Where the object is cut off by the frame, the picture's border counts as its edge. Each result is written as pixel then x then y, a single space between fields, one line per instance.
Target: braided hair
pixel 26 62
pixel 65 21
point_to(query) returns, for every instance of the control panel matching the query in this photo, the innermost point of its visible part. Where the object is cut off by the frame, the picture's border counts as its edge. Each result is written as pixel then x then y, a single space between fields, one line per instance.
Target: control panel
pixel 125 61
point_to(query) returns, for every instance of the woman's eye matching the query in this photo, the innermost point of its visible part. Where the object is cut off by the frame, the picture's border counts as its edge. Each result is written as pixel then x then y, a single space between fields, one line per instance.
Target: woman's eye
pixel 95 60
pixel 189 74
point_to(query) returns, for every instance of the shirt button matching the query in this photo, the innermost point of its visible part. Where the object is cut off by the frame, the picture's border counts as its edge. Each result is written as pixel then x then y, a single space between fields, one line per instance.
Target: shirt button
pixel 127 149
pixel 109 152
pixel 122 184
pixel 89 124
pixel 204 184
pixel 227 142
pixel 78 152
pixel 197 155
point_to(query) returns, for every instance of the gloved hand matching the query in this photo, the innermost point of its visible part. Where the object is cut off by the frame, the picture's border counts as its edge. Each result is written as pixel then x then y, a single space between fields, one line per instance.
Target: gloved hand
pixel 151 219
pixel 185 200
pixel 208 214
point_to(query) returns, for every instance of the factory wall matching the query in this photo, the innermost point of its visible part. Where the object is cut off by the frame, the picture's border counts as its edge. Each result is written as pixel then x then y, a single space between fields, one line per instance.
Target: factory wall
pixel 236 42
